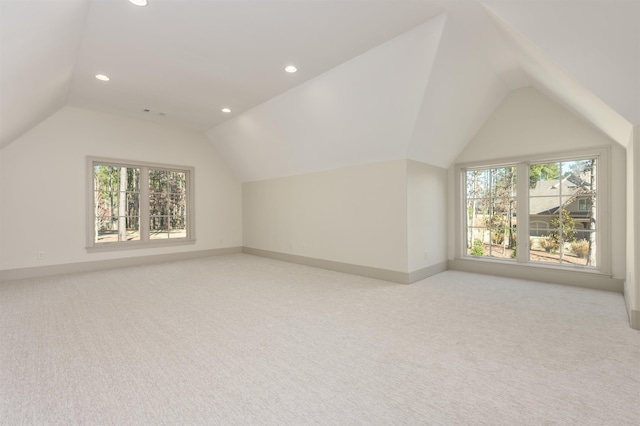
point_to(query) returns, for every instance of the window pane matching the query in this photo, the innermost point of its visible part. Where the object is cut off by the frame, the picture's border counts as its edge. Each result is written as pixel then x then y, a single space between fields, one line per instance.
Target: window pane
pixel 476 242
pixel 158 204
pixel 581 172
pixel 544 177
pixel 502 242
pixel 178 222
pixel 562 227
pixel 177 181
pixel 106 230
pixel 491 212
pixel 544 206
pixel 133 201
pixel 477 183
pixel 131 228
pixel 543 248
pixel 158 180
pixel 115 196
pixel 162 227
pixel 159 227
pixel 177 204
pixel 167 204
pixel 503 182
pixel 583 250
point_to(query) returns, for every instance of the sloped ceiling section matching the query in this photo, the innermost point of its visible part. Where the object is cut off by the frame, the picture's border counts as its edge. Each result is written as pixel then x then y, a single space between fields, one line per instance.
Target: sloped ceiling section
pixel 586 56
pixel 39 42
pixel 190 58
pixel 421 95
pixel 473 70
pixel 360 112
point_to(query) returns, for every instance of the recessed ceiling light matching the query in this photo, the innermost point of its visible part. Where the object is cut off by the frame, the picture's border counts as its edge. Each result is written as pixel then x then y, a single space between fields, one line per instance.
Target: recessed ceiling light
pixel 139 2
pixel 291 69
pixel 226 110
pixel 102 77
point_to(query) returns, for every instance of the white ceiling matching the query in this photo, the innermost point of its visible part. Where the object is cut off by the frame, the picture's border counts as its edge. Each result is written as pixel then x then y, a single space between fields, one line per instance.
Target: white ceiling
pixel 595 42
pixel 190 58
pixel 38 49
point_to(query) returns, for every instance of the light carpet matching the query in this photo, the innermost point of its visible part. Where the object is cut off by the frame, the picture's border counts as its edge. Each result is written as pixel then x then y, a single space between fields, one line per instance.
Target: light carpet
pixel 239 340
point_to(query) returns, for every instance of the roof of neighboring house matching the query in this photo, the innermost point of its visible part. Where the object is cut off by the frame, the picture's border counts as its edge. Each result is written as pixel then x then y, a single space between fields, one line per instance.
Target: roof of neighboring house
pixel 543 198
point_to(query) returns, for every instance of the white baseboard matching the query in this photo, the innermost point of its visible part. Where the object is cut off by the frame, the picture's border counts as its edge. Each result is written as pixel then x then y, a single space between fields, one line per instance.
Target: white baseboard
pixel 69 268
pixel 365 271
pixel 423 273
pixel 634 315
pixel 634 319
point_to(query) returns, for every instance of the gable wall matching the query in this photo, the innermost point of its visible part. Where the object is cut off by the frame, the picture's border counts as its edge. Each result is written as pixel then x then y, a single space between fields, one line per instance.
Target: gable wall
pixel 43 182
pixel 528 123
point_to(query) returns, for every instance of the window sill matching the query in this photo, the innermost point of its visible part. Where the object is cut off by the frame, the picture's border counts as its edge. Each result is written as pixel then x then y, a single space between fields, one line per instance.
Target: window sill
pixel 133 245
pixel 537 265
pixel 586 278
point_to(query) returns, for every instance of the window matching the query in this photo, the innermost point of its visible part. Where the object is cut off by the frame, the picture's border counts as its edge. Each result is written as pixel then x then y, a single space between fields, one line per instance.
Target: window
pixel 554 216
pixel 584 205
pixel 558 195
pixel 491 211
pixel 139 205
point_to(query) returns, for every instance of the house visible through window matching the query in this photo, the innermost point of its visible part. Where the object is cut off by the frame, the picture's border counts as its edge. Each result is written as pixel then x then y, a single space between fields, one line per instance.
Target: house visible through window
pixel 135 204
pixel 563 195
pixel 553 217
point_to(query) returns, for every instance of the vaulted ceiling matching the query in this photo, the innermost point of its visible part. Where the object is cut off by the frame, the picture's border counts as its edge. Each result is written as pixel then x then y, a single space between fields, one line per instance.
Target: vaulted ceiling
pixel 377 79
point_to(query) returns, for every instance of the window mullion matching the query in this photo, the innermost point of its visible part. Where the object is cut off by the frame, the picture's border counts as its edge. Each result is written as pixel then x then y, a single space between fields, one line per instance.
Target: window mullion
pixel 144 204
pixel 522 210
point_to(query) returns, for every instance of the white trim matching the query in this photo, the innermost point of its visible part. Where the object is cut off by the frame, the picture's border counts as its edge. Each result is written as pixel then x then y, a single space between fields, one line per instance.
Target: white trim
pixel 634 319
pixel 135 245
pixel 349 268
pixel 96 265
pixel 145 241
pixel 603 205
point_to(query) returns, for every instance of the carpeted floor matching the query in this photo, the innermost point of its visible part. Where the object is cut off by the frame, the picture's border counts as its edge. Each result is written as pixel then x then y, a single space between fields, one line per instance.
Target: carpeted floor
pixel 238 339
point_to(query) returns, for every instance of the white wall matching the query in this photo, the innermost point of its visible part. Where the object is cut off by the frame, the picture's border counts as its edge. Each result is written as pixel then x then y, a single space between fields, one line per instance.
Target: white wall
pixel 355 215
pixel 529 123
pixel 361 112
pixel 426 215
pixel 632 282
pixel 43 183
pixel 636 217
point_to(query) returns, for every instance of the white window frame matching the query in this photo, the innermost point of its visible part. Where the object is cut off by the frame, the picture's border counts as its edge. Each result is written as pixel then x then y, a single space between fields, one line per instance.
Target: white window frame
pixel 145 241
pixel 603 208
